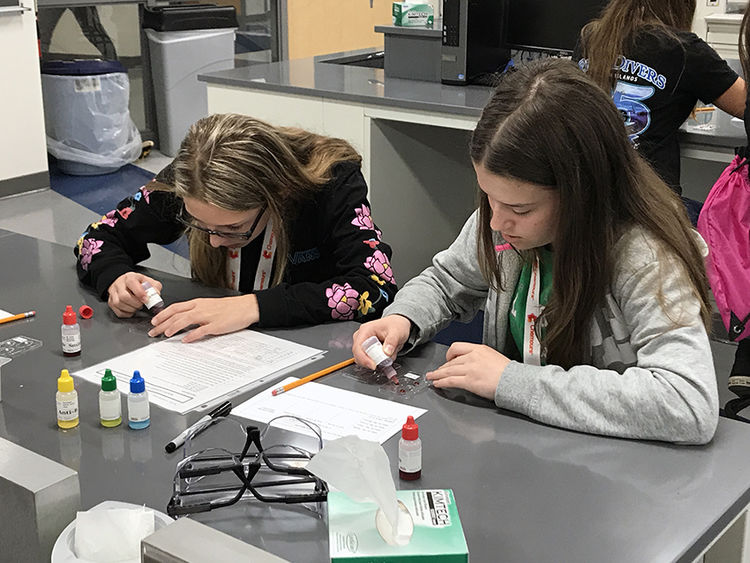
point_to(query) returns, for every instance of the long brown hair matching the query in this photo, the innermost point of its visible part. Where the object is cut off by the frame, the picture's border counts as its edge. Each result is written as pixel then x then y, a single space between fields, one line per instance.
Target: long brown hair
pixel 238 163
pixel 548 124
pixel 612 34
pixel 744 44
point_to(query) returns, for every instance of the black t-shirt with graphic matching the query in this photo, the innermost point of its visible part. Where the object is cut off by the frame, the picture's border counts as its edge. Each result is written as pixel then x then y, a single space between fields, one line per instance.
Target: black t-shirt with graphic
pixel 658 82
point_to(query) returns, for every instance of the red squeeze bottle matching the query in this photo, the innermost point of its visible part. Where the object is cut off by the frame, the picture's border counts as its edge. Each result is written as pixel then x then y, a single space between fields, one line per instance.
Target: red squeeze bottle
pixel 71 333
pixel 410 451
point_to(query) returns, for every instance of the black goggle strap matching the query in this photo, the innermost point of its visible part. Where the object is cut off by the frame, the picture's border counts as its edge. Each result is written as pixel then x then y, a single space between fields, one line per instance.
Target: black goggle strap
pixel 734 406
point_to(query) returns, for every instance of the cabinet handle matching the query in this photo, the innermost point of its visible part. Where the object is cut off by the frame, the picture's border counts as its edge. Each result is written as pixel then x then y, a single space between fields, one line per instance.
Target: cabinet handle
pixel 10 10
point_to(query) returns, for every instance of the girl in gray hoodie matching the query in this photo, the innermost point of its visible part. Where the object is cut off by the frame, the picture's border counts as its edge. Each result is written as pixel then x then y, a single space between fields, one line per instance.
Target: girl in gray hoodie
pixel 591 279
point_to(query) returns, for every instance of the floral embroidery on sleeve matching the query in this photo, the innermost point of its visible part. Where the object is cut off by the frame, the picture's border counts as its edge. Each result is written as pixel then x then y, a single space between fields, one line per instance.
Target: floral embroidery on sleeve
pixel 142 193
pixel 365 305
pixel 364 221
pixel 343 301
pixel 378 264
pixel 125 212
pixel 110 219
pixel 89 247
pixel 79 242
pixel 346 302
pixel 383 293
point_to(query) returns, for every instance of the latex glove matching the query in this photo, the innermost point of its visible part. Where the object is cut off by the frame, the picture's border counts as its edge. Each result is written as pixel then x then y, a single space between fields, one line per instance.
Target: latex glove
pixel 392 330
pixel 474 367
pixel 126 295
pixel 213 317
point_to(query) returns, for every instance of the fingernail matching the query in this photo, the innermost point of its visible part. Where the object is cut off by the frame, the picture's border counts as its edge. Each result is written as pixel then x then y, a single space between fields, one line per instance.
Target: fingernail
pixel 388 349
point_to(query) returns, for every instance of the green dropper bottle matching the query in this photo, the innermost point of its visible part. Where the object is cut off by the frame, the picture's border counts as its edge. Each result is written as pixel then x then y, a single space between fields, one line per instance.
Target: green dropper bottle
pixel 110 404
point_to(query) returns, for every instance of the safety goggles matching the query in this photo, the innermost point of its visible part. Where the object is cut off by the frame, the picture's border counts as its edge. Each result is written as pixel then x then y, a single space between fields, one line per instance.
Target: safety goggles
pixel 215 477
pixel 186 219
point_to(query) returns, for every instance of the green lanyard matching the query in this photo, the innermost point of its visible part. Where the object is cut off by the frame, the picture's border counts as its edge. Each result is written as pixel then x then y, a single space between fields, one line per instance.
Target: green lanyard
pixel 531 295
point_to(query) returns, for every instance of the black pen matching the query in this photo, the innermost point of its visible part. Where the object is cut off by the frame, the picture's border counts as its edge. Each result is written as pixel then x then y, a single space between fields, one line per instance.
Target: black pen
pixel 222 410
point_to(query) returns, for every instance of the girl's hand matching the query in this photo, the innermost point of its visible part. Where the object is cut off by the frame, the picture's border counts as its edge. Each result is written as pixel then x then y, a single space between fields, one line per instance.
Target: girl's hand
pixel 393 331
pixel 126 295
pixel 214 316
pixel 474 367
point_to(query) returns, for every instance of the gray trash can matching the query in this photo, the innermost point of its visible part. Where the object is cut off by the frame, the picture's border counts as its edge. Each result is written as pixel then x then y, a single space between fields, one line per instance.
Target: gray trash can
pixel 185 41
pixel 88 124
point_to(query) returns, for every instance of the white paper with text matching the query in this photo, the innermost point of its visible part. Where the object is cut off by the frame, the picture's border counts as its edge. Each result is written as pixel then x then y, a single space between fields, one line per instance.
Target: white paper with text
pixel 183 377
pixel 338 412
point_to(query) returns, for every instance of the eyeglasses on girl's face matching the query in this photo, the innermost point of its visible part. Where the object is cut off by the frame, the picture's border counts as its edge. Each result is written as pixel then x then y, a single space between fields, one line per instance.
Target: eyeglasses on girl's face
pixel 186 219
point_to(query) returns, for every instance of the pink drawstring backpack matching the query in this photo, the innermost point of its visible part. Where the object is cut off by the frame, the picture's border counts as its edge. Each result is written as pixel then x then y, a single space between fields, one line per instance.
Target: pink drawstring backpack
pixel 724 223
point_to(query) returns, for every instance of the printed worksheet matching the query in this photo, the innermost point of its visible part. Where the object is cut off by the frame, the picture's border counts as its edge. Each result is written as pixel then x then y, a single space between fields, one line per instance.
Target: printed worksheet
pixel 183 377
pixel 336 411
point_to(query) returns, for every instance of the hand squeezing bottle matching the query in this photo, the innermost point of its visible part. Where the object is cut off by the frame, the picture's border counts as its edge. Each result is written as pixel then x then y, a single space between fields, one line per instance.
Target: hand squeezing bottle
pixel 374 349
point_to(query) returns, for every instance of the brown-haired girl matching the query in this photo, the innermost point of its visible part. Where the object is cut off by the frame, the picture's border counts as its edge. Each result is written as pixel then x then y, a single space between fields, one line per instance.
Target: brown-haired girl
pixel 642 51
pixel 591 280
pixel 279 214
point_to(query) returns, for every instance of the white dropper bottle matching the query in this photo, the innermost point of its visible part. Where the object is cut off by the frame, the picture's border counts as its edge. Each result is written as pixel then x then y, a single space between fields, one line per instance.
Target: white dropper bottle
pixel 374 349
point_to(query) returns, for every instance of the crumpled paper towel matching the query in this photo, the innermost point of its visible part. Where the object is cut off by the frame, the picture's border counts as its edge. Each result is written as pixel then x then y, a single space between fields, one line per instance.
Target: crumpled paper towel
pixel 360 469
pixel 112 535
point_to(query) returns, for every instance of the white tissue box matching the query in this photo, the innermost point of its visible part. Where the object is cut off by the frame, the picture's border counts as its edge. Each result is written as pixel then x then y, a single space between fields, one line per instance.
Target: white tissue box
pixel 413 14
pixel 438 536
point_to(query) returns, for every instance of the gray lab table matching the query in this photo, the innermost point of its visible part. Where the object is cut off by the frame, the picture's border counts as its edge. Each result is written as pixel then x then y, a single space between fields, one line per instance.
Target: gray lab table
pixel 525 491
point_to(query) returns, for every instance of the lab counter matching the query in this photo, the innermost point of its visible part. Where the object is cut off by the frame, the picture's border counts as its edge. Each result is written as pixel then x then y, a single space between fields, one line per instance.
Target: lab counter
pixel 324 77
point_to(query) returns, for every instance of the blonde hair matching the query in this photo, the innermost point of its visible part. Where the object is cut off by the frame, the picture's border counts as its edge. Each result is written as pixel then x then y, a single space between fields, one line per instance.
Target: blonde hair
pixel 238 163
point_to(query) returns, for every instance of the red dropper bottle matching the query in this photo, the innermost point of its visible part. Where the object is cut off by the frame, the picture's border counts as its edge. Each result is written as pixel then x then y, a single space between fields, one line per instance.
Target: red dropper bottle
pixel 71 333
pixel 410 451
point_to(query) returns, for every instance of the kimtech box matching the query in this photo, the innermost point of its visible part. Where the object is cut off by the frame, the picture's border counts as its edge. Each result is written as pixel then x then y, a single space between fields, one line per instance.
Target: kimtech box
pixel 413 14
pixel 438 536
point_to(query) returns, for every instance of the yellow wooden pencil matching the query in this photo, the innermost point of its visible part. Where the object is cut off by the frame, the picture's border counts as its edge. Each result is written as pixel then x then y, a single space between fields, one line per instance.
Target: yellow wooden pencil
pixel 17 317
pixel 316 375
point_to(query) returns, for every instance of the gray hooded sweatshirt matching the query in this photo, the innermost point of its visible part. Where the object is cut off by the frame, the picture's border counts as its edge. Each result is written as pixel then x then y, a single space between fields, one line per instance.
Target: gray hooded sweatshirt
pixel 650 374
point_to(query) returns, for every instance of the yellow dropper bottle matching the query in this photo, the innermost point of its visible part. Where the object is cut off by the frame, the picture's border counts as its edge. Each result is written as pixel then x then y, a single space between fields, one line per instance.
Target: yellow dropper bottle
pixel 67 401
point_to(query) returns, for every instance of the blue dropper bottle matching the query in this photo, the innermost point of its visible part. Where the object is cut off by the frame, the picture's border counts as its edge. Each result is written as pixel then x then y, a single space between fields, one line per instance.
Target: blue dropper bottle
pixel 139 414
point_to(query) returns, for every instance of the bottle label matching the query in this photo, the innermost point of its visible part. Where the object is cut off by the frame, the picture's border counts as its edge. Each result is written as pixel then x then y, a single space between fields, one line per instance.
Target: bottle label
pixel 138 411
pixel 110 409
pixel 410 461
pixel 67 410
pixel 153 298
pixel 71 342
pixel 375 351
